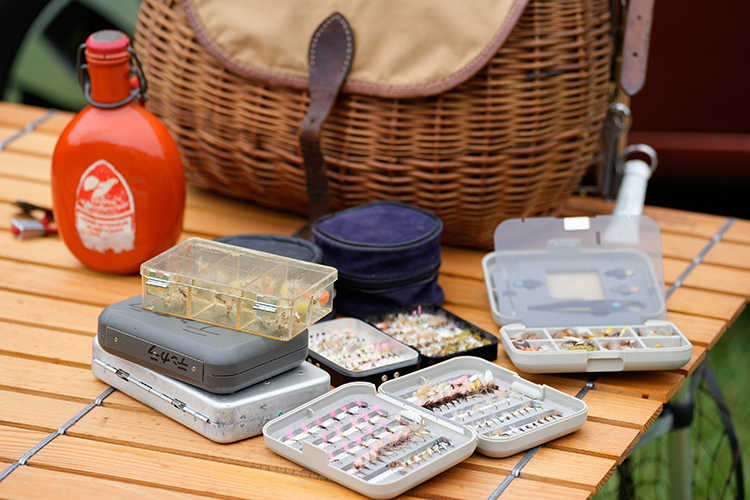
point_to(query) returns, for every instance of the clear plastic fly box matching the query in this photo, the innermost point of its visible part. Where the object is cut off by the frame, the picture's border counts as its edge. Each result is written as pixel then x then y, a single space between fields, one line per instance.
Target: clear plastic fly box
pixel 238 288
pixel 582 294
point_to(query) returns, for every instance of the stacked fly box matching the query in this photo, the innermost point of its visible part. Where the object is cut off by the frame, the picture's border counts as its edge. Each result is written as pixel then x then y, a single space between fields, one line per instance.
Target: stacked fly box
pixel 213 373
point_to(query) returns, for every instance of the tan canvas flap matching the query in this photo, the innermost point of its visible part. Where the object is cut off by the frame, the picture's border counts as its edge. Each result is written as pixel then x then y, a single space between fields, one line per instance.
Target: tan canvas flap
pixel 404 48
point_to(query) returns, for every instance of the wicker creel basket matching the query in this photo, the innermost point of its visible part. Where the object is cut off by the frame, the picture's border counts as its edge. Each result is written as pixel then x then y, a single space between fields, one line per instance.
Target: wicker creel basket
pixel 512 141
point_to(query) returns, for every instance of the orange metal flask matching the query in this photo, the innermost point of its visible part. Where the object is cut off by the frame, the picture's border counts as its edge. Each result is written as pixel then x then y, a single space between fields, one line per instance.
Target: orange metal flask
pixel 118 188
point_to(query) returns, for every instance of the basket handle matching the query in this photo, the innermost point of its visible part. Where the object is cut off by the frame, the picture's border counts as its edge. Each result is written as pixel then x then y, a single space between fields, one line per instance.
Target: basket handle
pixel 330 58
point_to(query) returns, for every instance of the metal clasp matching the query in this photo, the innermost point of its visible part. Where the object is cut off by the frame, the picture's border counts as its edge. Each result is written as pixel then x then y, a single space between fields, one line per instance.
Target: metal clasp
pixel 135 70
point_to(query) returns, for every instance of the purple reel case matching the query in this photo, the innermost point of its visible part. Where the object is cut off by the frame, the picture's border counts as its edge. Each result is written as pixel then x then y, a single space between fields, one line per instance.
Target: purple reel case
pixel 387 255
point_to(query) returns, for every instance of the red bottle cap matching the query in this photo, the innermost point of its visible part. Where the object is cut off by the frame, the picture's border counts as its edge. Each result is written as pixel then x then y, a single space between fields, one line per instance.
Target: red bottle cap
pixel 107 42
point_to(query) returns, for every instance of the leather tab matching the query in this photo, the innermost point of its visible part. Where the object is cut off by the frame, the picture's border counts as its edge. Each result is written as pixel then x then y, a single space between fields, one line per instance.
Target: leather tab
pixel 330 58
pixel 635 45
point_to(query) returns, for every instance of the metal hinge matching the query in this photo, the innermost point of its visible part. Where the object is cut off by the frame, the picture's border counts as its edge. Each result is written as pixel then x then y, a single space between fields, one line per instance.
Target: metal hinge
pixel 157 282
pixel 265 307
pixel 173 401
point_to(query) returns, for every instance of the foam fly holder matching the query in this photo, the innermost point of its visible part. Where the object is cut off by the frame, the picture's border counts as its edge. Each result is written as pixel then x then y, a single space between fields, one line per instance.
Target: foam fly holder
pixel 508 413
pixel 582 294
pixel 387 255
pixel 371 443
pixel 351 350
pixel 435 333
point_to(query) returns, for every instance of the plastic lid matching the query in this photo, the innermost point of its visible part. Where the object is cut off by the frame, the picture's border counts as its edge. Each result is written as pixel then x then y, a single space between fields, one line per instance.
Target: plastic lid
pixel 381 223
pixel 107 42
pixel 579 271
pixel 286 246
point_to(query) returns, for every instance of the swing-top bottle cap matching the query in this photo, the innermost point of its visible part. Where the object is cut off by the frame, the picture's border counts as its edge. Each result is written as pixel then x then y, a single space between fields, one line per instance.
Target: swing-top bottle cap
pixel 107 42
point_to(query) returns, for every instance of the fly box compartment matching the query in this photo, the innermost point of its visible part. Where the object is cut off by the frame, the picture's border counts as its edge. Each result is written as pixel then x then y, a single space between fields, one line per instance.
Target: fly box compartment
pixel 582 295
pixel 436 333
pixel 351 350
pixel 214 358
pixel 653 345
pixel 221 418
pixel 238 288
pixel 508 413
pixel 374 444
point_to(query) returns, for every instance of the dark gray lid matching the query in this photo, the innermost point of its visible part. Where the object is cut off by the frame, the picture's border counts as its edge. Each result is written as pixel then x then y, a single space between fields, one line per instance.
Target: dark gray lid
pixel 285 246
pixel 217 351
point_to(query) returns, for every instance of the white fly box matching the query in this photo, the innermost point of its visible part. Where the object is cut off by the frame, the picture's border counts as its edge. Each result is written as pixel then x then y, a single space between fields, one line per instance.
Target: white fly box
pixel 372 443
pixel 508 413
pixel 582 295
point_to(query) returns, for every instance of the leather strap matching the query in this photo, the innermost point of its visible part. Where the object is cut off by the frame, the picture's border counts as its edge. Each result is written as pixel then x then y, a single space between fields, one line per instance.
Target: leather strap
pixel 330 58
pixel 635 45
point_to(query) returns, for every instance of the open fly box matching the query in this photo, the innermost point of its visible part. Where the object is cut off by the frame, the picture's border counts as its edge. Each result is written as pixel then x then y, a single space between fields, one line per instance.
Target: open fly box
pixel 222 418
pixel 508 413
pixel 238 288
pixel 351 350
pixel 214 358
pixel 582 294
pixel 436 333
pixel 372 443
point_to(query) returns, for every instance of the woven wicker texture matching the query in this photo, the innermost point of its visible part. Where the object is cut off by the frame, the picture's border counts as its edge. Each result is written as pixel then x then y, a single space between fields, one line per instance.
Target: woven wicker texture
pixel 513 141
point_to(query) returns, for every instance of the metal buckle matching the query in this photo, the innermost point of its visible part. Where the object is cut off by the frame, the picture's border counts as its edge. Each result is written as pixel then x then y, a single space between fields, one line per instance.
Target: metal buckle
pixel 135 69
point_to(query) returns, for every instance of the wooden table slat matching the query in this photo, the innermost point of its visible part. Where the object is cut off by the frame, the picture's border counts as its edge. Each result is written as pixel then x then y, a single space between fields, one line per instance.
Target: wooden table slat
pixel 36 413
pixel 15 443
pixel 681 246
pixel 739 232
pixel 82 286
pixel 709 277
pixel 657 385
pixel 55 314
pixel 598 439
pixel 524 489
pixel 154 431
pixel 31 483
pixel 729 254
pixel 41 344
pixel 180 473
pixel 698 329
pixel 38 143
pixel 569 469
pixel 705 303
pixel 20 115
pixel 50 380
pixel 611 408
pixel 24 167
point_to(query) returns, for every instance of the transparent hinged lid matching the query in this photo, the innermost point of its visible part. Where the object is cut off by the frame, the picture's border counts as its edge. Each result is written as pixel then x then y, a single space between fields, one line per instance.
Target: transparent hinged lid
pixel 239 288
pixel 577 271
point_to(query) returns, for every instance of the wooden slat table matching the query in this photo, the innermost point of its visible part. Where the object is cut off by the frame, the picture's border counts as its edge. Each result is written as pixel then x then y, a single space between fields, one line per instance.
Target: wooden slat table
pixel 49 304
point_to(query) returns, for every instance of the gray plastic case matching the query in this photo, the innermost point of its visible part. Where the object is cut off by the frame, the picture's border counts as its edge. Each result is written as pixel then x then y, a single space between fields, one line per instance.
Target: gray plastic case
pixel 523 409
pixel 214 358
pixel 582 289
pixel 221 418
pixel 293 435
